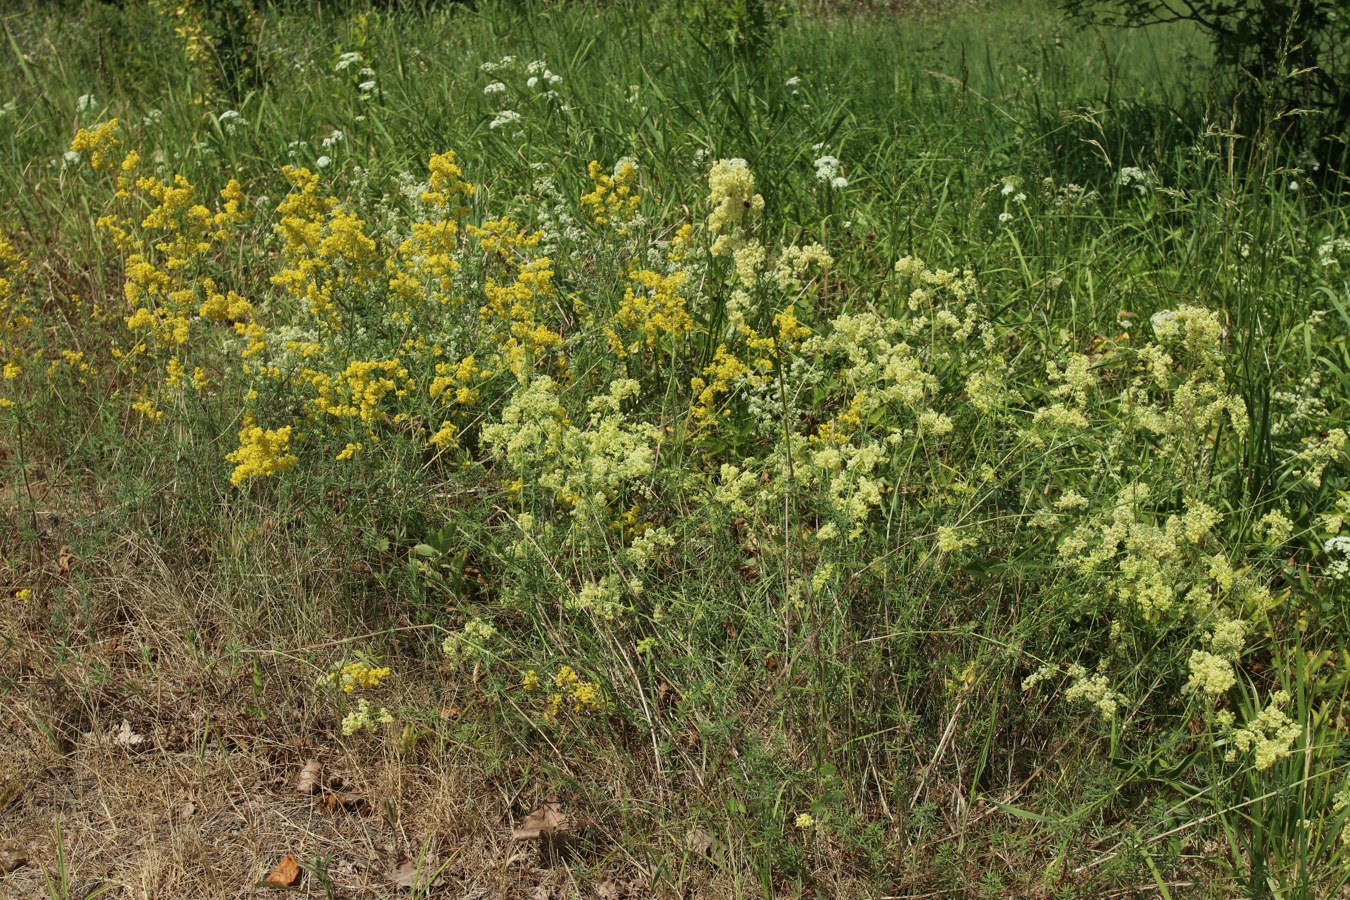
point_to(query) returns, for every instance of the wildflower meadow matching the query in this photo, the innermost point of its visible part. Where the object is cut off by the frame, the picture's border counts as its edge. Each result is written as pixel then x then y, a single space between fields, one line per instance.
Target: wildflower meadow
pixel 689 449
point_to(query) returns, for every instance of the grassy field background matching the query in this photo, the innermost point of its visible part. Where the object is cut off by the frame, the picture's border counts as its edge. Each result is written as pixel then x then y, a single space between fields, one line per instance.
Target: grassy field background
pixel 910 462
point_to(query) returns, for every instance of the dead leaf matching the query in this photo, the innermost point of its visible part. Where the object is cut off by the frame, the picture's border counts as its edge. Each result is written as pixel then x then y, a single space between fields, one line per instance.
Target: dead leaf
pixel 414 876
pixel 286 873
pixel 543 823
pixel 701 842
pixel 10 860
pixel 125 737
pixel 337 801
pixel 308 782
pixel 64 559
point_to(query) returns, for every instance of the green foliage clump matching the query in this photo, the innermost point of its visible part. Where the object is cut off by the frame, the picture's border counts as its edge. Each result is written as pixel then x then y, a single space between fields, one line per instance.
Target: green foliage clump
pixel 1296 51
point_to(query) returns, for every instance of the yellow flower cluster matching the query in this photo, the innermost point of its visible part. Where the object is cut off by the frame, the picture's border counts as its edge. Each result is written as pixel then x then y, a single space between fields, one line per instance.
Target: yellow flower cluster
pixel 1268 738
pixel 356 392
pixel 572 692
pixel 455 381
pixel 424 270
pixel 448 191
pixel 325 247
pixel 731 194
pixel 171 254
pixel 613 198
pixel 15 324
pixel 261 452
pixel 720 377
pixel 516 314
pixel 359 675
pixel 654 307
pixel 351 677
pixel 101 144
pixel 503 237
pixel 189 26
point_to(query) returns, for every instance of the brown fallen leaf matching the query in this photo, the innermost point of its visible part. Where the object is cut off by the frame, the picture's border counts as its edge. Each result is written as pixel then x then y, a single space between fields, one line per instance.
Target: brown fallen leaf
pixel 337 801
pixel 308 782
pixel 414 876
pixel 544 823
pixel 64 559
pixel 701 842
pixel 286 872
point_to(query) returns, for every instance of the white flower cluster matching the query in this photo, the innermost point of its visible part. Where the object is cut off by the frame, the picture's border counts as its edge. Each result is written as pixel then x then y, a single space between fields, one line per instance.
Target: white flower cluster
pixel 366 717
pixel 1330 251
pixel 491 67
pixel 505 117
pixel 540 75
pixel 827 170
pixel 1134 177
pixel 1269 737
pixel 553 214
pixel 231 120
pixel 1337 550
pixel 1011 185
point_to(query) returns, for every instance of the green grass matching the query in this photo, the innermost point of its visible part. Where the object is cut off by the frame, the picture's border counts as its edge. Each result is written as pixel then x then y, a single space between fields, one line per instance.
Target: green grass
pixel 876 681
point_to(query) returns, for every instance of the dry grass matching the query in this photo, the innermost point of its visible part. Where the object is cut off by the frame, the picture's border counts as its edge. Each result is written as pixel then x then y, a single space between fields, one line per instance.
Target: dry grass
pixel 195 795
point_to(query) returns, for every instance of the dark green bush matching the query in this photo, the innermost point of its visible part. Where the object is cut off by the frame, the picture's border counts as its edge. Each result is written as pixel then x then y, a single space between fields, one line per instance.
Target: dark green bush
pixel 1285 54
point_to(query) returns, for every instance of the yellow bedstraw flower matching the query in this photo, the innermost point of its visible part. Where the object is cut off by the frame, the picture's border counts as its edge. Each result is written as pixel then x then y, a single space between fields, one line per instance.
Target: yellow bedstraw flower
pixel 357 676
pixel 148 409
pixel 100 144
pixel 653 306
pixel 449 191
pixel 613 198
pixel 261 452
pixel 503 235
pixel 574 692
pixel 721 376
